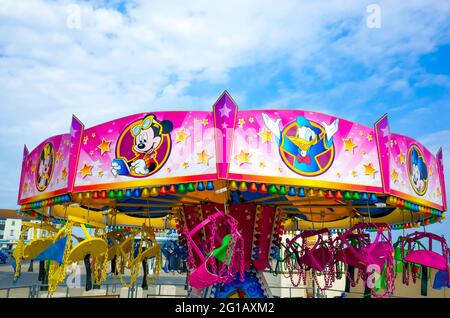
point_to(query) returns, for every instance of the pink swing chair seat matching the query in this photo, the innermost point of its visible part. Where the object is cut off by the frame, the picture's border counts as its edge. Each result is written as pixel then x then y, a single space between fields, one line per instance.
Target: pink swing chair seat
pixel 424 257
pixel 202 276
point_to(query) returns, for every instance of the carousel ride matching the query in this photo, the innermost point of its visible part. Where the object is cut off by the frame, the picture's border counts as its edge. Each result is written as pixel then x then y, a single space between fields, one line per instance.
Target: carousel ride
pixel 318 196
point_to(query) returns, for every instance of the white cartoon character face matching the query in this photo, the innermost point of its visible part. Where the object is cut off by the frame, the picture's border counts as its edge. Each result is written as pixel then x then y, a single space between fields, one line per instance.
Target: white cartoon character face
pixel 147 138
pixel 304 138
pixel 418 171
pixel 45 167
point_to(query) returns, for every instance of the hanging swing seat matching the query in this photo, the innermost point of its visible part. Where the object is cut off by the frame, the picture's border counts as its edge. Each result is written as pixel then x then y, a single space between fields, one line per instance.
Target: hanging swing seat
pixel 207 273
pixel 36 246
pixel 316 257
pixel 413 252
pixel 93 246
pixel 357 251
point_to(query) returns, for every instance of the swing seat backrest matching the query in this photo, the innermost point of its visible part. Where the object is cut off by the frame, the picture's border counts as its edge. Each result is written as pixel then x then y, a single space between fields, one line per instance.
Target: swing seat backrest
pixel 318 256
pixel 425 257
pixel 379 252
pixel 317 259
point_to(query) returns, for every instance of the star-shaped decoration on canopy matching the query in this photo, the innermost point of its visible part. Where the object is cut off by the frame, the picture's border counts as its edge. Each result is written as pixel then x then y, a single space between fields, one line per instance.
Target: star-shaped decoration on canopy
pixel 438 192
pixel 32 168
pixel 370 170
pixel 93 135
pixel 349 145
pixel 354 173
pixel 58 156
pixel 205 122
pixel 100 174
pixel 241 122
pixel 266 135
pixel 104 146
pixel 203 157
pixel 430 171
pixel 251 120
pixel 181 136
pixel 369 137
pixel 243 157
pixel 401 157
pixel 262 164
pixel 86 170
pixel 224 125
pixel 224 111
pixel 91 152
pixel 338 175
pixel 394 176
pixel 185 165
pixel 64 173
pixel 361 133
pixel 85 139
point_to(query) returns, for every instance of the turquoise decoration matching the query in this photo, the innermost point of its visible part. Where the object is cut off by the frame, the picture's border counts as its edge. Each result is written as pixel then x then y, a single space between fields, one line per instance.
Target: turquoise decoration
pixel 200 186
pixel 136 193
pixel 209 186
pixel 301 193
pixel 291 192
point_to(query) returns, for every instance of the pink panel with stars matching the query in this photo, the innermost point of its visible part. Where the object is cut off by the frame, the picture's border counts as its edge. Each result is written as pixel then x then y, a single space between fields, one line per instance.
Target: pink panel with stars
pixel 147 149
pixel 45 171
pixel 414 172
pixel 304 148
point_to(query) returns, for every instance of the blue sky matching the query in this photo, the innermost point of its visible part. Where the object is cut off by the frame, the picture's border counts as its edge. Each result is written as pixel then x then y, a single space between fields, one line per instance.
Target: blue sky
pixel 134 56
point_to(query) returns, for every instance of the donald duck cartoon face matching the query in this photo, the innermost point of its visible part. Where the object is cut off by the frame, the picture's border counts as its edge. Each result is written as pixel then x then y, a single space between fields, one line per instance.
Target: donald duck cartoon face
pixel 305 146
pixel 305 136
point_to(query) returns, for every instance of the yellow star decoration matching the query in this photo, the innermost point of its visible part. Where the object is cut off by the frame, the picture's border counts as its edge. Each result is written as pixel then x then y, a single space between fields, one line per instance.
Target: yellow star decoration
pixel 361 133
pixel 86 170
pixel 25 187
pixel 185 165
pixel 354 173
pixel 93 135
pixel 262 164
pixel 338 175
pixel 58 156
pixel 438 192
pixel 100 174
pixel 203 157
pixel 241 122
pixel 91 152
pixel 243 157
pixel 394 176
pixel 64 173
pixel 349 144
pixel 85 139
pixel 32 168
pixel 370 170
pixel 266 135
pixel 401 157
pixel 104 146
pixel 280 170
pixel 168 170
pixel 205 121
pixel 363 152
pixel 181 136
pixel 369 137
pixel 251 119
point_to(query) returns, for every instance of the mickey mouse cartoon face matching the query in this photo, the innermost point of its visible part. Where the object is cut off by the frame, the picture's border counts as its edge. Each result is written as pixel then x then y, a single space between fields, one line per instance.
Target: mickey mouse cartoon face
pixel 419 172
pixel 147 136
